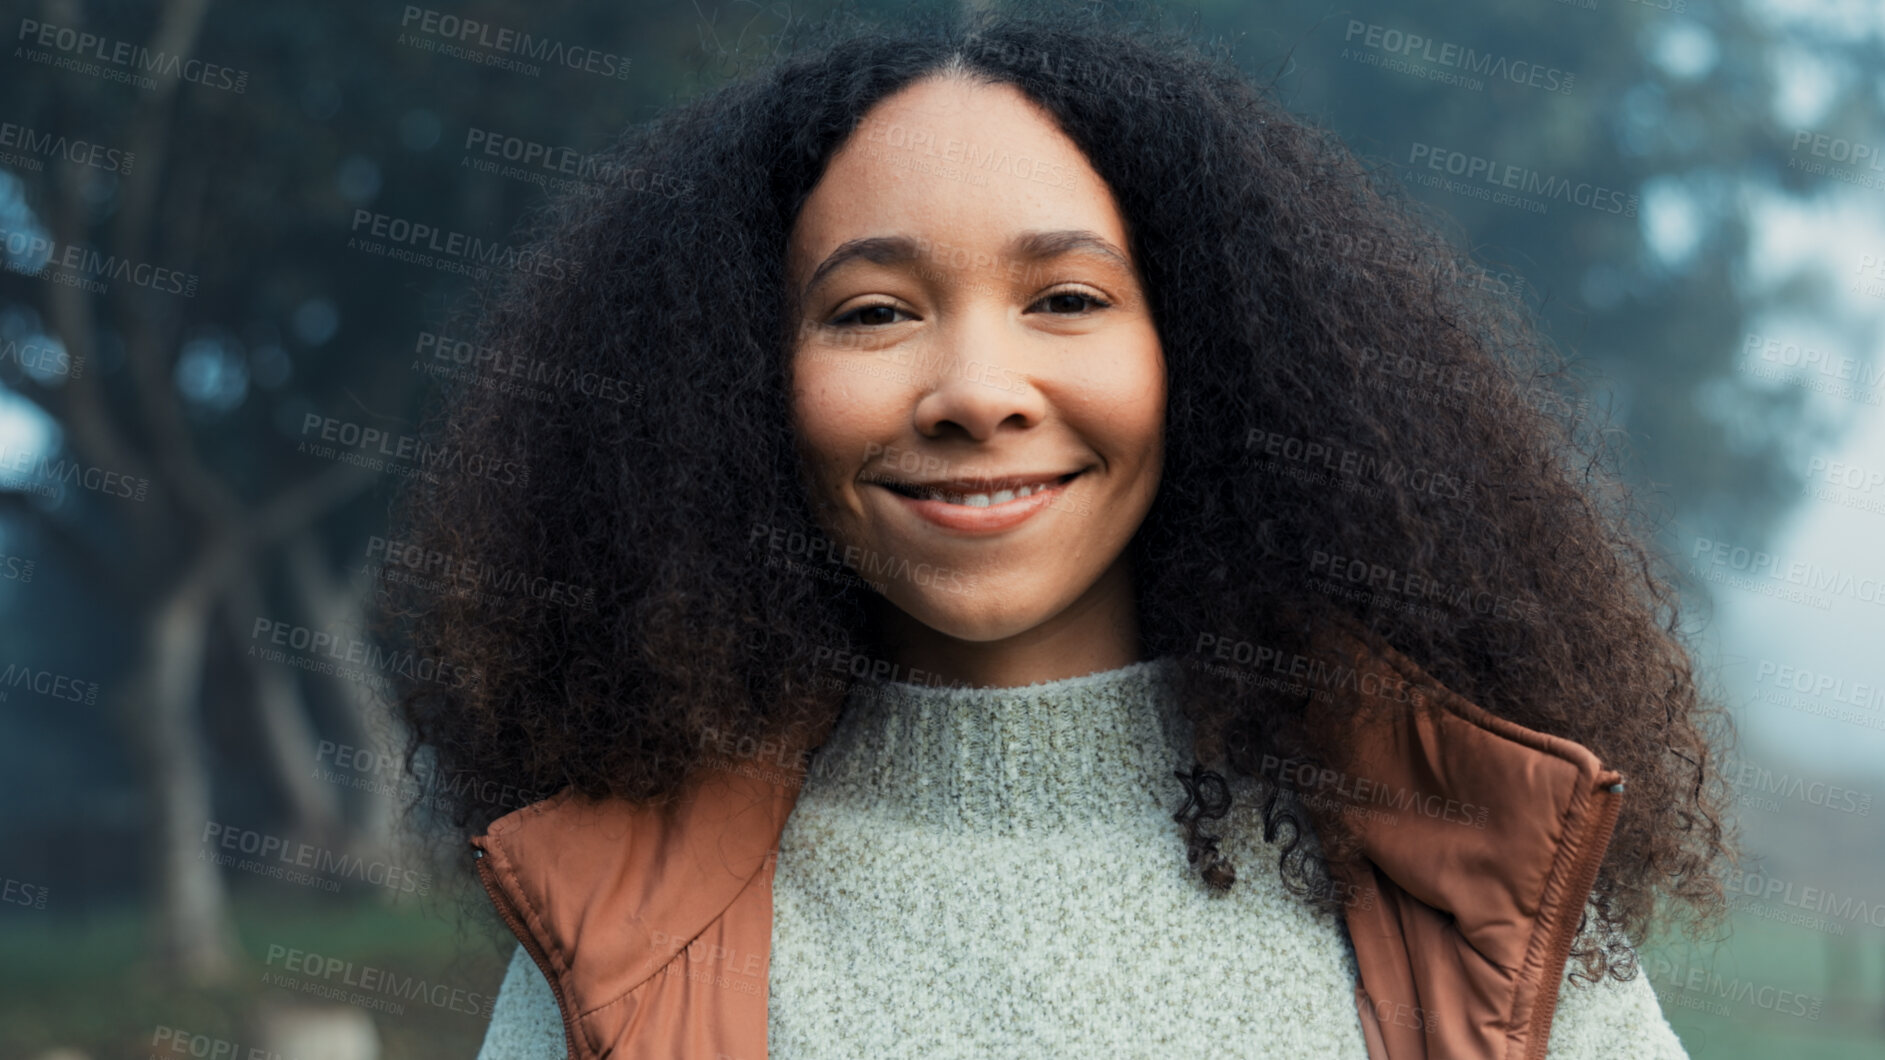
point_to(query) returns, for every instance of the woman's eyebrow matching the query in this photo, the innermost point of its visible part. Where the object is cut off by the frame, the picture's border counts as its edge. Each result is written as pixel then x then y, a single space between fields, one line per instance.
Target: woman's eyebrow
pixel 1026 247
pixel 878 250
pixel 1040 246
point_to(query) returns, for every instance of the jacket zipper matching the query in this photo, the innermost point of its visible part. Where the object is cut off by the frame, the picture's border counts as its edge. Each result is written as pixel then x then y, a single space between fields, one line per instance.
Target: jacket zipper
pixel 1601 820
pixel 501 900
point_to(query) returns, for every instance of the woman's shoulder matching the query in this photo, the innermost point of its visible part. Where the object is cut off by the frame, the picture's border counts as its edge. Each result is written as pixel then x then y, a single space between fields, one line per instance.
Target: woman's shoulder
pixel 525 1021
pixel 1608 1018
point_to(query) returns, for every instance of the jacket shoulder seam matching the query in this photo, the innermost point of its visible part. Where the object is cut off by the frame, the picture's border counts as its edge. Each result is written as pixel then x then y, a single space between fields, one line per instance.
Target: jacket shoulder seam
pixel 678 954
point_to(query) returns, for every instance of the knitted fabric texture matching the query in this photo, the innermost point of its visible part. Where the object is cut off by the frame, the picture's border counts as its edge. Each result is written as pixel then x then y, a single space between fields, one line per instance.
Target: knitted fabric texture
pixel 996 873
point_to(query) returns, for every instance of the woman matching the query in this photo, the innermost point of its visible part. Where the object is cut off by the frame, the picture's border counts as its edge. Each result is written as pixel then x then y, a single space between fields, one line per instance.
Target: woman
pixel 1038 430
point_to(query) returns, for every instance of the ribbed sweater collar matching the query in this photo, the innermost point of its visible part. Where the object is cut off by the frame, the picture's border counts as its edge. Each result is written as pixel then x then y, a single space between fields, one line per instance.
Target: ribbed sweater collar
pixel 1045 757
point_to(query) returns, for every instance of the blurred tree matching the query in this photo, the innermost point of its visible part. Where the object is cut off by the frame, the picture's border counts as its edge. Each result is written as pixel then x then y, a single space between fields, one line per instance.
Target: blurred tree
pixel 249 183
pixel 354 106
pixel 1664 111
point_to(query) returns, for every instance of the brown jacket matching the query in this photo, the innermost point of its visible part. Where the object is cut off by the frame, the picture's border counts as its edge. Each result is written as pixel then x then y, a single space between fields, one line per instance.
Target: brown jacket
pixel 1479 843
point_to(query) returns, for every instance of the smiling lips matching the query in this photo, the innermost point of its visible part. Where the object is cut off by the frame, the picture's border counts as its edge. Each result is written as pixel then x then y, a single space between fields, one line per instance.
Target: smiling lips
pixel 978 505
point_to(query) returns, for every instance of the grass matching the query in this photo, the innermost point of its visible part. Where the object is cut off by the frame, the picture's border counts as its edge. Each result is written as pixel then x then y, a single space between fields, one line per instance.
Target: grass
pixel 1846 976
pixel 82 982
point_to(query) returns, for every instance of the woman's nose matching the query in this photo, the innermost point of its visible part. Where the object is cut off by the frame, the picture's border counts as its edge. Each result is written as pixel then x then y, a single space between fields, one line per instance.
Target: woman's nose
pixel 978 379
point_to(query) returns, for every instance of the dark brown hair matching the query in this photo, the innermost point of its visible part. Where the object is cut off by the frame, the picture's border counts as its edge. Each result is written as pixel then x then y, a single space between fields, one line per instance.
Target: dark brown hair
pixel 1344 388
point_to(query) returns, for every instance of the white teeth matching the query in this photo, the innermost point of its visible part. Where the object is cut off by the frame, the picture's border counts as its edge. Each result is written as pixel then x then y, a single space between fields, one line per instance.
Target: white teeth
pixel 984 500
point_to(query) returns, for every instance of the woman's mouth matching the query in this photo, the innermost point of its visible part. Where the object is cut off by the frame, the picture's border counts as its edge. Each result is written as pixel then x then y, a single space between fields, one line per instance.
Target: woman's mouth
pixel 981 506
pixel 983 498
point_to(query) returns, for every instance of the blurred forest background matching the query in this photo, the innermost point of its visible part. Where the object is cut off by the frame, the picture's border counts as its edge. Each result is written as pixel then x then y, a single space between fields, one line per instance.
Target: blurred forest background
pixel 164 521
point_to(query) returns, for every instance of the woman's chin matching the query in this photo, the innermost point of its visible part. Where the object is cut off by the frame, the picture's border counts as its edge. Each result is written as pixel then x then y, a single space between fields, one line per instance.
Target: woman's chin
pixel 975 622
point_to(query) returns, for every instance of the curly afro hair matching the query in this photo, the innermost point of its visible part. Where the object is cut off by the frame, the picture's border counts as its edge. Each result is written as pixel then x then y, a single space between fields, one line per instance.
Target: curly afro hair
pixel 1344 387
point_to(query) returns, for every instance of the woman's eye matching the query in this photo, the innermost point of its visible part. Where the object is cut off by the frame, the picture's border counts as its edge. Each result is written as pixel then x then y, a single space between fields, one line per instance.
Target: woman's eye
pixel 1069 303
pixel 870 316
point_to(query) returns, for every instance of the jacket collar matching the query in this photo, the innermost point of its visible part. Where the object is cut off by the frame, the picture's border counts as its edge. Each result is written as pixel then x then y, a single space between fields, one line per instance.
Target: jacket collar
pixel 1469 848
pixel 635 884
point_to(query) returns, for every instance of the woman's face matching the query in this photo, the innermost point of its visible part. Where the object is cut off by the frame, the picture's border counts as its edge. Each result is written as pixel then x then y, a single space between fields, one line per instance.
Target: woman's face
pixel 972 328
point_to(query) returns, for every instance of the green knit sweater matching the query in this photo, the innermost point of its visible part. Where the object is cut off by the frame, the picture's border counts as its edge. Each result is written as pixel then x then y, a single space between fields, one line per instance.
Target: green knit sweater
pixel 996 873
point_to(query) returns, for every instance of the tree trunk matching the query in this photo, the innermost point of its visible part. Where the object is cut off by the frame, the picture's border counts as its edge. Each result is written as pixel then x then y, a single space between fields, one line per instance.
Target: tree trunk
pixel 194 935
pixel 288 736
pixel 331 603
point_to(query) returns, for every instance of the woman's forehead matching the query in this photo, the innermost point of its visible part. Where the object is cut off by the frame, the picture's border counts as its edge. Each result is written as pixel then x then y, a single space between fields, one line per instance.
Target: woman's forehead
pixel 954 159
